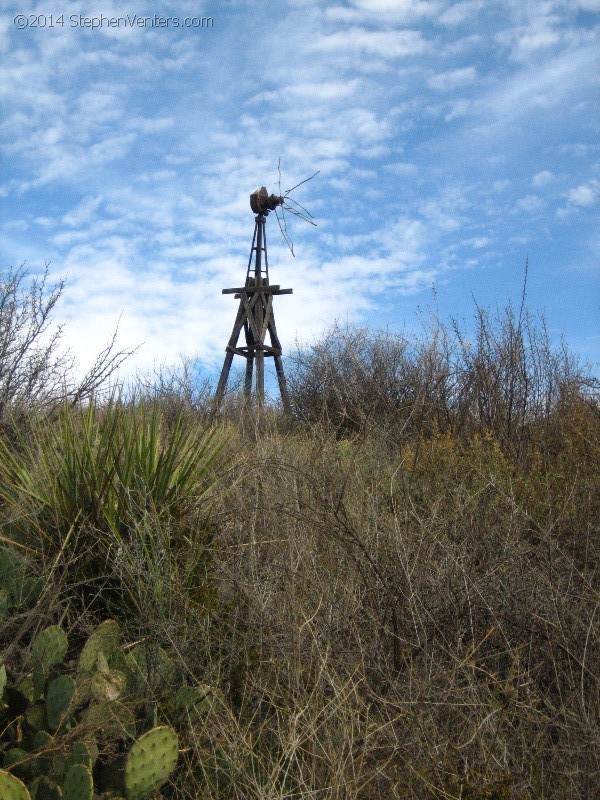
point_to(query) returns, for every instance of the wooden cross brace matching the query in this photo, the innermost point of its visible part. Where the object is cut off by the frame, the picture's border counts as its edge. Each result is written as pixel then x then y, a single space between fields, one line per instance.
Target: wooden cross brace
pixel 255 316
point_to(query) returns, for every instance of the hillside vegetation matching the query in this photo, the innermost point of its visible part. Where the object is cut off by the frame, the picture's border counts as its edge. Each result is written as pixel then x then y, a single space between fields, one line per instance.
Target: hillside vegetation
pixel 393 595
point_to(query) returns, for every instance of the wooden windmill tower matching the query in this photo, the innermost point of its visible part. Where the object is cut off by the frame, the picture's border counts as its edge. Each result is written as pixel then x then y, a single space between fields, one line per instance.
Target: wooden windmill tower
pixel 255 314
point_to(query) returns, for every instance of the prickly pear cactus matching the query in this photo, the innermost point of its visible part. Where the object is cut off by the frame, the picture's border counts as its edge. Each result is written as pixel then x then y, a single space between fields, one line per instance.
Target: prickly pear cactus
pixel 49 647
pixel 149 670
pixel 108 685
pixel 42 743
pixel 110 721
pixel 53 725
pixel 12 788
pixel 16 759
pixel 98 667
pixel 44 789
pixel 150 762
pixel 58 701
pixel 36 715
pixel 101 645
pixel 78 784
pixel 195 701
pixel 84 753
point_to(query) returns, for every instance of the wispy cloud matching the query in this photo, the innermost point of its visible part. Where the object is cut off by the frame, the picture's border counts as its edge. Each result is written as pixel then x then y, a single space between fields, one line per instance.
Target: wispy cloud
pixel 580 197
pixel 453 79
pixel 447 134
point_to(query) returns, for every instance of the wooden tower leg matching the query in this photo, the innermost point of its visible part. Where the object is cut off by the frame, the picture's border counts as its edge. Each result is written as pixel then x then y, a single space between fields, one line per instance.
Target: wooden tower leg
pixel 220 393
pixel 231 344
pixel 279 364
pixel 282 384
pixel 249 362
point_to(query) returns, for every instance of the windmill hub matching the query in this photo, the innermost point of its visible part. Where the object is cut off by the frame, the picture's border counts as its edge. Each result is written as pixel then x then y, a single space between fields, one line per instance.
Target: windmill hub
pixel 261 202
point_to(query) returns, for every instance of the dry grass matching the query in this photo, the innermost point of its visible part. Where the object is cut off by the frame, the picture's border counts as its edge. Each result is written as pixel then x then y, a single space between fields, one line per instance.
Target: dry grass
pixel 397 600
pixel 416 620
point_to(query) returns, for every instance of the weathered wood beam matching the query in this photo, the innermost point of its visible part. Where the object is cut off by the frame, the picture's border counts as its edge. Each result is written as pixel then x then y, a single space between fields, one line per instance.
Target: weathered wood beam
pixel 257 289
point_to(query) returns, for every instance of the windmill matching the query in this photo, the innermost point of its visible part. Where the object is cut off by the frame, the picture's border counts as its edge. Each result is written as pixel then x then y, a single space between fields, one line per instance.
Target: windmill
pixel 255 315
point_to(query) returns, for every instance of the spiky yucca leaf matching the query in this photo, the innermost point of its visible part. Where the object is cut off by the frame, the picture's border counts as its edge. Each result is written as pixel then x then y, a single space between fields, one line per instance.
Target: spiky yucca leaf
pixel 103 468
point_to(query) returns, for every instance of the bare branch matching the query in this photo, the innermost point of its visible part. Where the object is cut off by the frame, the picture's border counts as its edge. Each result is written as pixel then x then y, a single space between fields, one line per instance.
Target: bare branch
pixel 35 370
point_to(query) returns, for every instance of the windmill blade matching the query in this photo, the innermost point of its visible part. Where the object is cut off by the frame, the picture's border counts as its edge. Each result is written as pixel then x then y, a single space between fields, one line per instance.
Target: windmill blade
pixel 279 171
pixel 284 232
pixel 295 202
pixel 297 214
pixel 301 182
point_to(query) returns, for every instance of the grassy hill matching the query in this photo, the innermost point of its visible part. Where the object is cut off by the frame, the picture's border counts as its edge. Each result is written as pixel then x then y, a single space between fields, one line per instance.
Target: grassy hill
pixel 393 595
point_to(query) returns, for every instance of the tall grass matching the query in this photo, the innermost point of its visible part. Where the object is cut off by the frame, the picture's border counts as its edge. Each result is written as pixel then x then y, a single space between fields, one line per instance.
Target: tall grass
pixel 395 597
pixel 116 498
pixel 101 467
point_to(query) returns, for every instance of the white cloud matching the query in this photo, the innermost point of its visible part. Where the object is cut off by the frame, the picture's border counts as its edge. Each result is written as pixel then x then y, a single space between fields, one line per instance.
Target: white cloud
pixel 585 5
pixel 402 169
pixel 83 212
pixel 398 7
pixel 385 44
pixel 327 91
pixel 531 92
pixel 131 158
pixel 543 178
pixel 583 195
pixel 529 203
pixel 458 13
pixel 458 109
pixel 398 12
pixel 453 79
pixel 478 242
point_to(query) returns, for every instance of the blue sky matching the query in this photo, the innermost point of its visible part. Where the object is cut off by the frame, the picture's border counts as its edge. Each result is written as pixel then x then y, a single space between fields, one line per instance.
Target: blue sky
pixel 453 139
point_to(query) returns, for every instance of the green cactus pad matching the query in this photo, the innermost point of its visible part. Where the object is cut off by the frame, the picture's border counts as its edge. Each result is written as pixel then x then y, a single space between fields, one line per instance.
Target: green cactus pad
pixel 107 685
pixel 105 640
pixel 43 789
pixel 42 742
pixel 36 715
pixel 110 720
pixel 58 700
pixel 80 754
pixel 38 681
pixel 12 788
pixel 149 670
pixel 196 700
pixel 25 686
pixel 13 759
pixel 42 739
pixel 2 679
pixel 150 762
pixel 49 647
pixel 78 784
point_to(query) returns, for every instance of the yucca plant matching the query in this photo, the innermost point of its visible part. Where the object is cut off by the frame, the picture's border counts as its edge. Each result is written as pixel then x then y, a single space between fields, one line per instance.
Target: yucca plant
pixel 90 477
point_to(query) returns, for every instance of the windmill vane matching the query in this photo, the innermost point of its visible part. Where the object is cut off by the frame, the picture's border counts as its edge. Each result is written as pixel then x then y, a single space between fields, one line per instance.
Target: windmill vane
pixel 261 202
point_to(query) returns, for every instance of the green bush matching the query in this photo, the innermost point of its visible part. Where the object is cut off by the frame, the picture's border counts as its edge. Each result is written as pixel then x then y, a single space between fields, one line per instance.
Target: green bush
pixel 115 490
